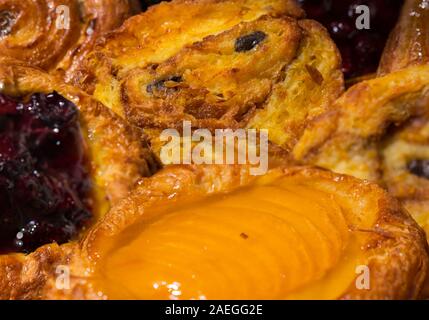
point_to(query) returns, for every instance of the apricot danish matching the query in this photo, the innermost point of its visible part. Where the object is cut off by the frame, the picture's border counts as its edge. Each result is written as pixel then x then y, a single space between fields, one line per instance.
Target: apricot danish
pixel 213 232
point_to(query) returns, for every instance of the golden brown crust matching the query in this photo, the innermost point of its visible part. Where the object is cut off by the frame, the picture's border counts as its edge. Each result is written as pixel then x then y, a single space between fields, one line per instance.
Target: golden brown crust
pixel 24 277
pixel 161 32
pixel 379 127
pixel 118 156
pixel 312 83
pixel 36 32
pixel 408 46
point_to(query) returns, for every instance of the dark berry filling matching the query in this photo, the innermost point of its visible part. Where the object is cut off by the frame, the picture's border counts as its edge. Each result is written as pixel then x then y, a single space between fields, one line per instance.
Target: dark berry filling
pixel 419 167
pixel 44 180
pixel 360 48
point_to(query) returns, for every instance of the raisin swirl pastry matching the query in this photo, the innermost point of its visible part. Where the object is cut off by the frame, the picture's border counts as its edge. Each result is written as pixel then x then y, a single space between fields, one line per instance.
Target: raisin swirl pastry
pixel 55 35
pixel 218 64
pixel 65 159
pixel 378 129
pixel 215 232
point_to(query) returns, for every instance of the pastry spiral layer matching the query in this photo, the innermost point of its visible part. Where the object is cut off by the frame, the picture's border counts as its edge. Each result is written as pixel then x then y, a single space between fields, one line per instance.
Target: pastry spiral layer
pixel 218 64
pixel 55 35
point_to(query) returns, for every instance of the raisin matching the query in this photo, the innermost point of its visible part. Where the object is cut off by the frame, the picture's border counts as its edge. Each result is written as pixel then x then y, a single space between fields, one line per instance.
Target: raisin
pixel 419 167
pixel 7 20
pixel 250 41
pixel 159 85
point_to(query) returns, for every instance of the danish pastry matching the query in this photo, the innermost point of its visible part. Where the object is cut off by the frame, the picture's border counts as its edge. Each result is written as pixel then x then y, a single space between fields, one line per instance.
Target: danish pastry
pixel 65 159
pixel 246 64
pixel 56 35
pixel 213 232
pixel 378 129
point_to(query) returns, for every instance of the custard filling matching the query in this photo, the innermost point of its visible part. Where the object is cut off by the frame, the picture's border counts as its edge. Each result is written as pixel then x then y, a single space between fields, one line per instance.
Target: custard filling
pixel 275 240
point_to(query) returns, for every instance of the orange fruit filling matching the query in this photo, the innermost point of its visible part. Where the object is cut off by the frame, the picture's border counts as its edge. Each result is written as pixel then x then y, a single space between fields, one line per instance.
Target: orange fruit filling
pixel 275 239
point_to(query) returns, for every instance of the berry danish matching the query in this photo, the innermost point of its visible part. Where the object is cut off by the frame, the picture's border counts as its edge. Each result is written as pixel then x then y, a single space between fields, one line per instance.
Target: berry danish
pixel 65 159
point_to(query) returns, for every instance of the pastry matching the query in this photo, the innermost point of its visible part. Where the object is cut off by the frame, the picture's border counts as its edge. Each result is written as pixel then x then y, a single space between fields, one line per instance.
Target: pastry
pixel 378 129
pixel 248 64
pixel 55 35
pixel 215 232
pixel 61 154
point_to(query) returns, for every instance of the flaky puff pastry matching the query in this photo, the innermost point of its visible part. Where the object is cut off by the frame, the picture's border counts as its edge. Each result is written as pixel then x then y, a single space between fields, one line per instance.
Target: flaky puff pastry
pixel 118 157
pixel 56 34
pixel 218 64
pixel 216 232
